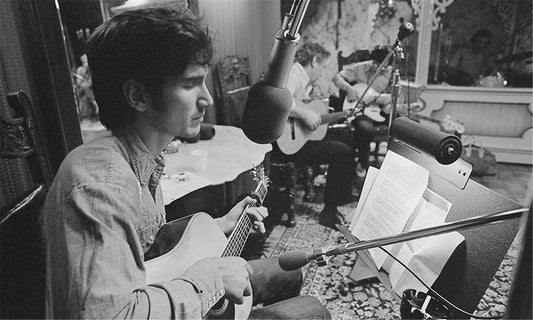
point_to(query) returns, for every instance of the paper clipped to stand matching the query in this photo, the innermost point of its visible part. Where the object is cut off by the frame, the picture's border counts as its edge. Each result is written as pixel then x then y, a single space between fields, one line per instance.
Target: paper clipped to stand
pixel 392 199
pixel 402 184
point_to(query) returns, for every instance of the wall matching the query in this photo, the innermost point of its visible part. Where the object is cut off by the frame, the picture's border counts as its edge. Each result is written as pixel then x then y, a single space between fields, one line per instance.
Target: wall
pixel 242 27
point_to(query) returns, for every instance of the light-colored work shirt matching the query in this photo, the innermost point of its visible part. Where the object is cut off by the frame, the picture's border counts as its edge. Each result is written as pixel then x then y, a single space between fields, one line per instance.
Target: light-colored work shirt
pixel 298 82
pixel 101 215
pixel 362 72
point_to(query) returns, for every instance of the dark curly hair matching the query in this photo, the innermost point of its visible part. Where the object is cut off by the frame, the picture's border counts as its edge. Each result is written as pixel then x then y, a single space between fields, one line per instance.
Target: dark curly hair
pixel 146 45
pixel 481 34
pixel 308 51
pixel 380 53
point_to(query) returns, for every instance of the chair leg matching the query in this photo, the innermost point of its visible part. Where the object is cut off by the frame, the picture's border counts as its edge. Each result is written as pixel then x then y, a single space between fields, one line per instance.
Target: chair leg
pixel 279 198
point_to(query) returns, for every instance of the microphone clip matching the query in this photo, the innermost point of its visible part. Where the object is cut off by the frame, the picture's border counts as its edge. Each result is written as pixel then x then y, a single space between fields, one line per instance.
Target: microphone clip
pixel 320 256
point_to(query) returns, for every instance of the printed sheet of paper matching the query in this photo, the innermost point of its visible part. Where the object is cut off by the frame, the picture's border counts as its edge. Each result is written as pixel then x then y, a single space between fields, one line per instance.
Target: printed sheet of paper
pixel 394 195
pixel 425 256
pixel 371 175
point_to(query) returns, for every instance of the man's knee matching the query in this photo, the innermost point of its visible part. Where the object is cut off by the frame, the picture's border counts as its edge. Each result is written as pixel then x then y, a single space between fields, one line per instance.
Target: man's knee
pixel 302 307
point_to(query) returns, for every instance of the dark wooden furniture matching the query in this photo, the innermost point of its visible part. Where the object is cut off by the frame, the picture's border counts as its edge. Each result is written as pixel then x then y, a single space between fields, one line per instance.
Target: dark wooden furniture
pixel 232 83
pixel 22 270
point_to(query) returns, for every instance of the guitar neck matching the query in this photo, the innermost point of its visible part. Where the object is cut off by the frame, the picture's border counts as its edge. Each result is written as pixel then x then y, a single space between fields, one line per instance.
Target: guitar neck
pixel 238 237
pixel 332 117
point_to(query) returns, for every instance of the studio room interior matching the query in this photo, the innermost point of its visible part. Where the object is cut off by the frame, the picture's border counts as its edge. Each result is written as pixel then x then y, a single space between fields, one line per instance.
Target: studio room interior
pixel 254 159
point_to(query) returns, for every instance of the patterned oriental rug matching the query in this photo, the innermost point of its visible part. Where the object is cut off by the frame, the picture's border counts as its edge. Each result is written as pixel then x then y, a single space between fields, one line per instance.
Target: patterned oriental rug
pixel 330 284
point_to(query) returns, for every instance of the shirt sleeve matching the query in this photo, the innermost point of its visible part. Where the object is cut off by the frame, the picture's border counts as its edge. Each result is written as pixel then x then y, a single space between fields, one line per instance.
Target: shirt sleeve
pixel 294 84
pixel 95 263
pixel 355 72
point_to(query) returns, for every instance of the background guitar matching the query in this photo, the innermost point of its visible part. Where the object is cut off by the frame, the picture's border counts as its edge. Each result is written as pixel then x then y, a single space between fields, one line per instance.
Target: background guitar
pixel 296 134
pixel 376 106
pixel 182 242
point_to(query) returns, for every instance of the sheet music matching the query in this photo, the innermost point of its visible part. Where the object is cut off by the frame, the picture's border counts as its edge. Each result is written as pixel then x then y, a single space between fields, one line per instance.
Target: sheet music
pixel 396 199
pixel 425 256
pixel 395 193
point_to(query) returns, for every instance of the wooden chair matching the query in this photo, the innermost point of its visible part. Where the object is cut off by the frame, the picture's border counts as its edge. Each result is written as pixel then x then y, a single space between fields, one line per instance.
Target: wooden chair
pixel 232 83
pixel 381 131
pixel 22 261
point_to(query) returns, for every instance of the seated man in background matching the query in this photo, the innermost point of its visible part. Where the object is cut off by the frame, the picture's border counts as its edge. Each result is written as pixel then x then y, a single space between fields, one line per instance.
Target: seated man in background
pixel 473 59
pixel 308 66
pixel 105 206
pixel 354 79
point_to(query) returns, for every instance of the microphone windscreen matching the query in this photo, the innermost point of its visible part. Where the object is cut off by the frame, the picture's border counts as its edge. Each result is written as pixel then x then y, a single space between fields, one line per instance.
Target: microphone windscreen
pixel 207 131
pixel 266 112
pixel 445 147
pixel 293 260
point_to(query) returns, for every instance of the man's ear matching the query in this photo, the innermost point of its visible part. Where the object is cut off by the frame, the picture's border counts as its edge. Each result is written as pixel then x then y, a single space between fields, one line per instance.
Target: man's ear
pixel 314 62
pixel 135 95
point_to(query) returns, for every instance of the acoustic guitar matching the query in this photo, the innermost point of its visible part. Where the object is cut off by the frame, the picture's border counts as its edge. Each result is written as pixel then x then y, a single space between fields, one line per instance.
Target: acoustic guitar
pixel 370 104
pixel 373 102
pixel 295 134
pixel 182 242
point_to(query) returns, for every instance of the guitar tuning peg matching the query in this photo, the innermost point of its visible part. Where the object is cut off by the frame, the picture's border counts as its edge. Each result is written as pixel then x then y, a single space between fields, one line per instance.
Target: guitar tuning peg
pixel 254 174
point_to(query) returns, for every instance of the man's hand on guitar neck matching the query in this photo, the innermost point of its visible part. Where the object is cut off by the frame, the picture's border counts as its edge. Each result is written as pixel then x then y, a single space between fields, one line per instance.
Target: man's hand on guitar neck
pixel 228 222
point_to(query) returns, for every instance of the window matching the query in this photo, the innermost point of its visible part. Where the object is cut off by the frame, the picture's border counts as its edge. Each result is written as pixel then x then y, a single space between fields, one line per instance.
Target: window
pixel 480 43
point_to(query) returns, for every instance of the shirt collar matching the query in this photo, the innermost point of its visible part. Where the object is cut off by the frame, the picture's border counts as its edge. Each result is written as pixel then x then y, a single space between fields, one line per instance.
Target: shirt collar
pixel 141 160
pixel 301 73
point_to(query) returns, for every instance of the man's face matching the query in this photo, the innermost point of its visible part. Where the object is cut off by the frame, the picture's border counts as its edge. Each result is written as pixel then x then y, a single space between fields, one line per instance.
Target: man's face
pixel 481 44
pixel 316 70
pixel 180 107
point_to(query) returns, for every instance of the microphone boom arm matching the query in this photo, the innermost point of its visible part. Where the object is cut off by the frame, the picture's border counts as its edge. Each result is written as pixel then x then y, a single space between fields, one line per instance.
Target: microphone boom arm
pixel 296 259
pixel 426 232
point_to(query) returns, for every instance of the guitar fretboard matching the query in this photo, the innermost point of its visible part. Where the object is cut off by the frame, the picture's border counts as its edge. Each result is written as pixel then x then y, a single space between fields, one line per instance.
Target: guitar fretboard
pixel 241 232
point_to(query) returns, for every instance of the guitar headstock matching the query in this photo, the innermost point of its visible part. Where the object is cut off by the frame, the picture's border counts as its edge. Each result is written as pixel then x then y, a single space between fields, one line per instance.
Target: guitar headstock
pixel 258 174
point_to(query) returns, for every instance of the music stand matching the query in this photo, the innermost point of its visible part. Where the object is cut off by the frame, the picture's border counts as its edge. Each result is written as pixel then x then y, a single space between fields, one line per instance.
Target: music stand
pixel 472 266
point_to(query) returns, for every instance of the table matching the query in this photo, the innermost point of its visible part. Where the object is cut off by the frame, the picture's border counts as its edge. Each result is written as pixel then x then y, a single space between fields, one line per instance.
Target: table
pixel 230 158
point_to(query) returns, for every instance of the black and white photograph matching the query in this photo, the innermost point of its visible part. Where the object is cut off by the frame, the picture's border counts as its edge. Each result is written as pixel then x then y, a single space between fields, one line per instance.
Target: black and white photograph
pixel 266 159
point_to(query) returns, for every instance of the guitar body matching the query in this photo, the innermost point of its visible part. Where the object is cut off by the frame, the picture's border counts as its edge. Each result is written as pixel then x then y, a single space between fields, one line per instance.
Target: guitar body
pixel 200 238
pixel 370 99
pixel 296 135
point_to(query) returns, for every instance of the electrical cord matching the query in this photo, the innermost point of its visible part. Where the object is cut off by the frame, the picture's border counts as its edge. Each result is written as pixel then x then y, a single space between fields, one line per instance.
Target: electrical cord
pixel 437 295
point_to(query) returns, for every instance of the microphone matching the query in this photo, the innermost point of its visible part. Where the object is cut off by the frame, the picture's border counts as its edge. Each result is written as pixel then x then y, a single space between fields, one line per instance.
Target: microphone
pixel 269 101
pixel 405 30
pixel 293 260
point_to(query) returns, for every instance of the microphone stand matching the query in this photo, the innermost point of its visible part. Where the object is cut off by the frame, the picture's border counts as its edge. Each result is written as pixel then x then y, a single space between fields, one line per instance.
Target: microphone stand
pixel 415 234
pixel 397 51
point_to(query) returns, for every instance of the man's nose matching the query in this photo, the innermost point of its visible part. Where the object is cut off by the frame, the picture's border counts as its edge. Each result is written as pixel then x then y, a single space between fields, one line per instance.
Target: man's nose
pixel 205 100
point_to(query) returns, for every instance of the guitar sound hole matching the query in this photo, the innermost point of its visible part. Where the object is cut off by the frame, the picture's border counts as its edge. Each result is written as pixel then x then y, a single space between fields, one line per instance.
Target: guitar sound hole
pixel 219 307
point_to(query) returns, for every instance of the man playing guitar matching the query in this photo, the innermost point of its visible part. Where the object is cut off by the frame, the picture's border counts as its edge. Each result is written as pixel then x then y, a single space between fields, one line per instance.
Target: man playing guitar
pixel 105 208
pixel 307 69
pixel 377 99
